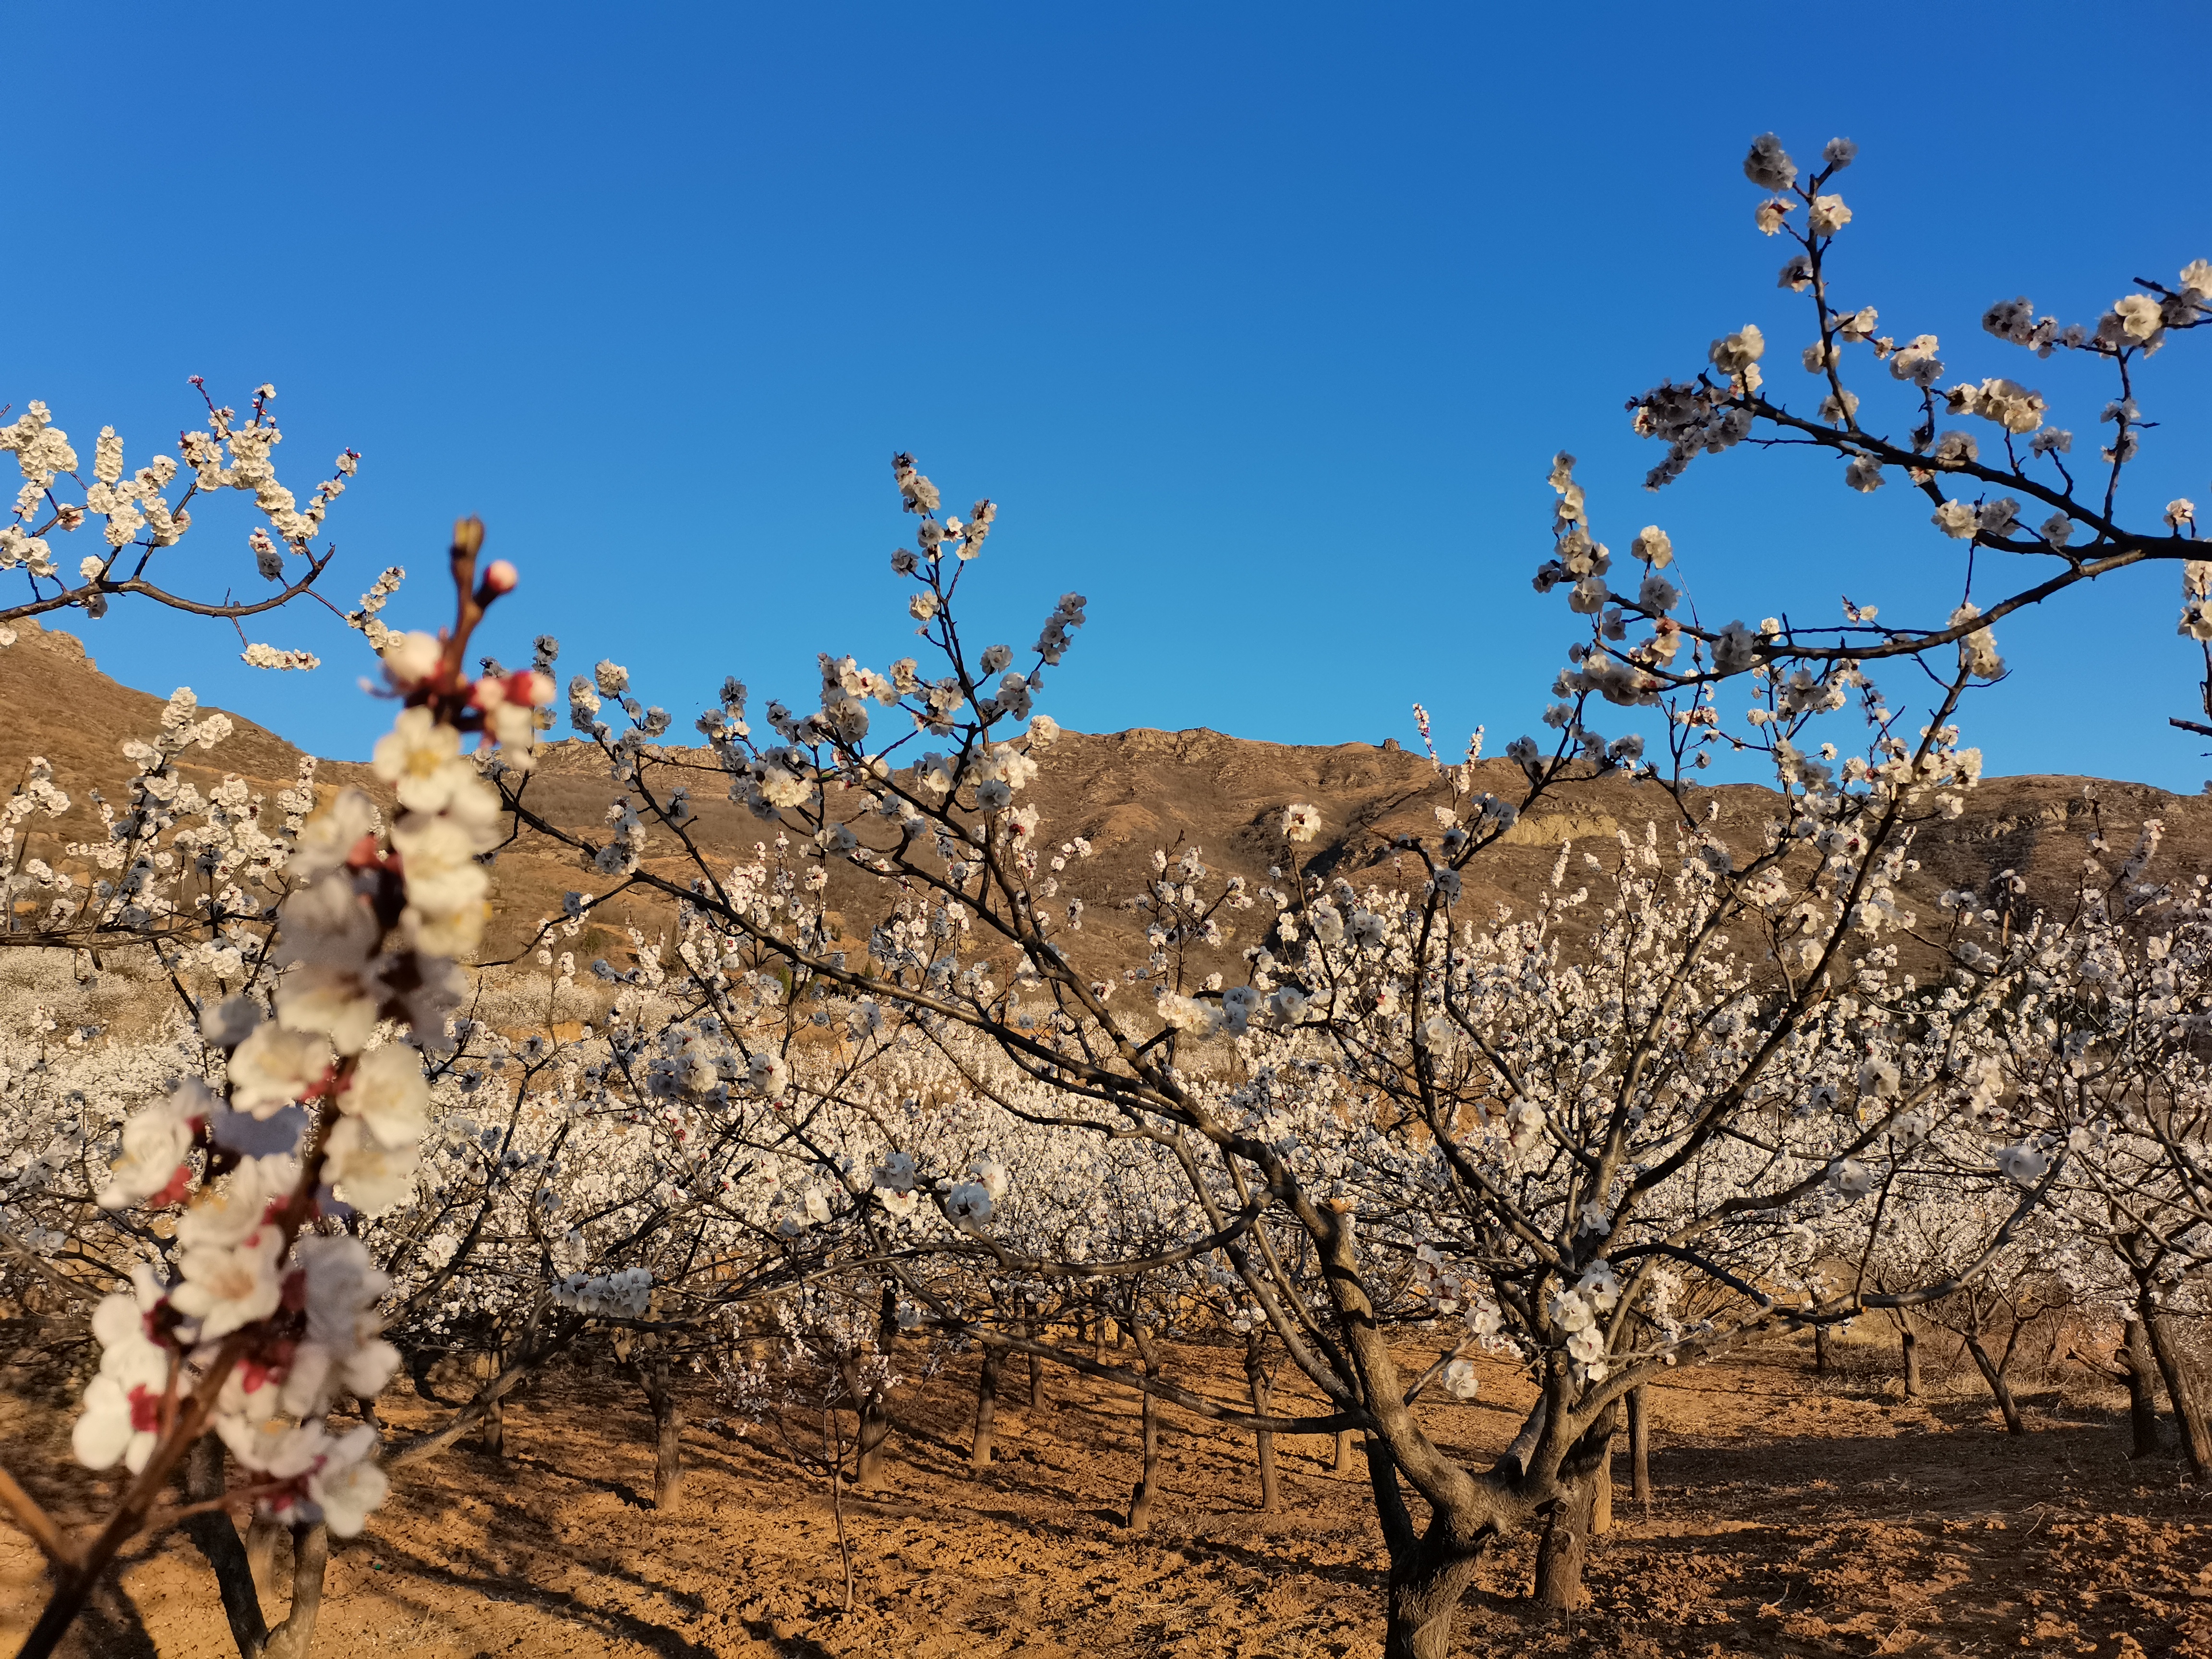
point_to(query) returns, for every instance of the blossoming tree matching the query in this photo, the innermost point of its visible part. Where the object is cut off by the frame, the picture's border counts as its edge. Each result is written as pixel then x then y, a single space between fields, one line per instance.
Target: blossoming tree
pixel 1562 1149
pixel 261 1313
pixel 1712 1085
pixel 142 518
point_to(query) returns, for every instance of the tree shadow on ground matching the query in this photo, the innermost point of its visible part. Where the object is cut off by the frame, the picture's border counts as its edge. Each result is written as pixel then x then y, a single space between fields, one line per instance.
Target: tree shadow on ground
pixel 566 1606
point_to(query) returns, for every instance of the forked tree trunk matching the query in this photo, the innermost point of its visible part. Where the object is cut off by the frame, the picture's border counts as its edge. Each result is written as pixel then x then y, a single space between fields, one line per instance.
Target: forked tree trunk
pixel 2180 1387
pixel 2141 1366
pixel 1999 1390
pixel 656 1372
pixel 1420 1601
pixel 986 1407
pixel 1256 1374
pixel 1564 1546
pixel 1908 1344
pixel 1429 1574
pixel 1639 1447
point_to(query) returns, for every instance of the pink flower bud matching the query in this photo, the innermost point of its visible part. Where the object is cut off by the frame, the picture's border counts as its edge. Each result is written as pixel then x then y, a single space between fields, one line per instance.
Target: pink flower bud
pixel 527 687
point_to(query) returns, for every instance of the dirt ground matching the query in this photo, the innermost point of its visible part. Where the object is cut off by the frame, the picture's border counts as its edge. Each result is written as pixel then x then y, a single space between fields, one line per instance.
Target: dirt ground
pixel 1793 1516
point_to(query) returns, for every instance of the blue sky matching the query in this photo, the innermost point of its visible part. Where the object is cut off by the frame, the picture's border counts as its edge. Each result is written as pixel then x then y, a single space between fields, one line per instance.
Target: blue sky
pixel 1259 323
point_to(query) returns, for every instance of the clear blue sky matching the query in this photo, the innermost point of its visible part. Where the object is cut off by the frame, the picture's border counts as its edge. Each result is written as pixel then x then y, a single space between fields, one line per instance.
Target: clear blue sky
pixel 1260 322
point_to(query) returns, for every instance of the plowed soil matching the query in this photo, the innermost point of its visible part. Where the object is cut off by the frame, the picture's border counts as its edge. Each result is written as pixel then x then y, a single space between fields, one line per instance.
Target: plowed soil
pixel 1793 1514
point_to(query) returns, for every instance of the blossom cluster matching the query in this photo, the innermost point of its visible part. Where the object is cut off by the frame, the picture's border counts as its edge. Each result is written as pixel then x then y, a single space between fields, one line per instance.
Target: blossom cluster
pixel 307 1116
pixel 140 515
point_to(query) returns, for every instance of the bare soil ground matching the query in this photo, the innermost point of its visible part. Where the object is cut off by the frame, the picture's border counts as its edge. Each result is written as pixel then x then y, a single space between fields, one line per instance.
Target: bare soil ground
pixel 1794 1516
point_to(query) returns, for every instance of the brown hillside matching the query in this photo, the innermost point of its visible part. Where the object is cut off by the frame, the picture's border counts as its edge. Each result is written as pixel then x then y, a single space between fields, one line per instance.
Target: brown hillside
pixel 79 719
pixel 1130 792
pixel 1127 793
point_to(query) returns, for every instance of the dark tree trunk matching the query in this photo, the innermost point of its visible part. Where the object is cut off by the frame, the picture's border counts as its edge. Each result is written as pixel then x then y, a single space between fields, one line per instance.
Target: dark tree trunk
pixel 217 1535
pixel 1147 1490
pixel 2180 1387
pixel 656 1372
pixel 1639 1447
pixel 1255 1374
pixel 420 1362
pixel 1036 1368
pixel 1820 1362
pixel 1999 1390
pixel 2142 1368
pixel 986 1407
pixel 1910 1344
